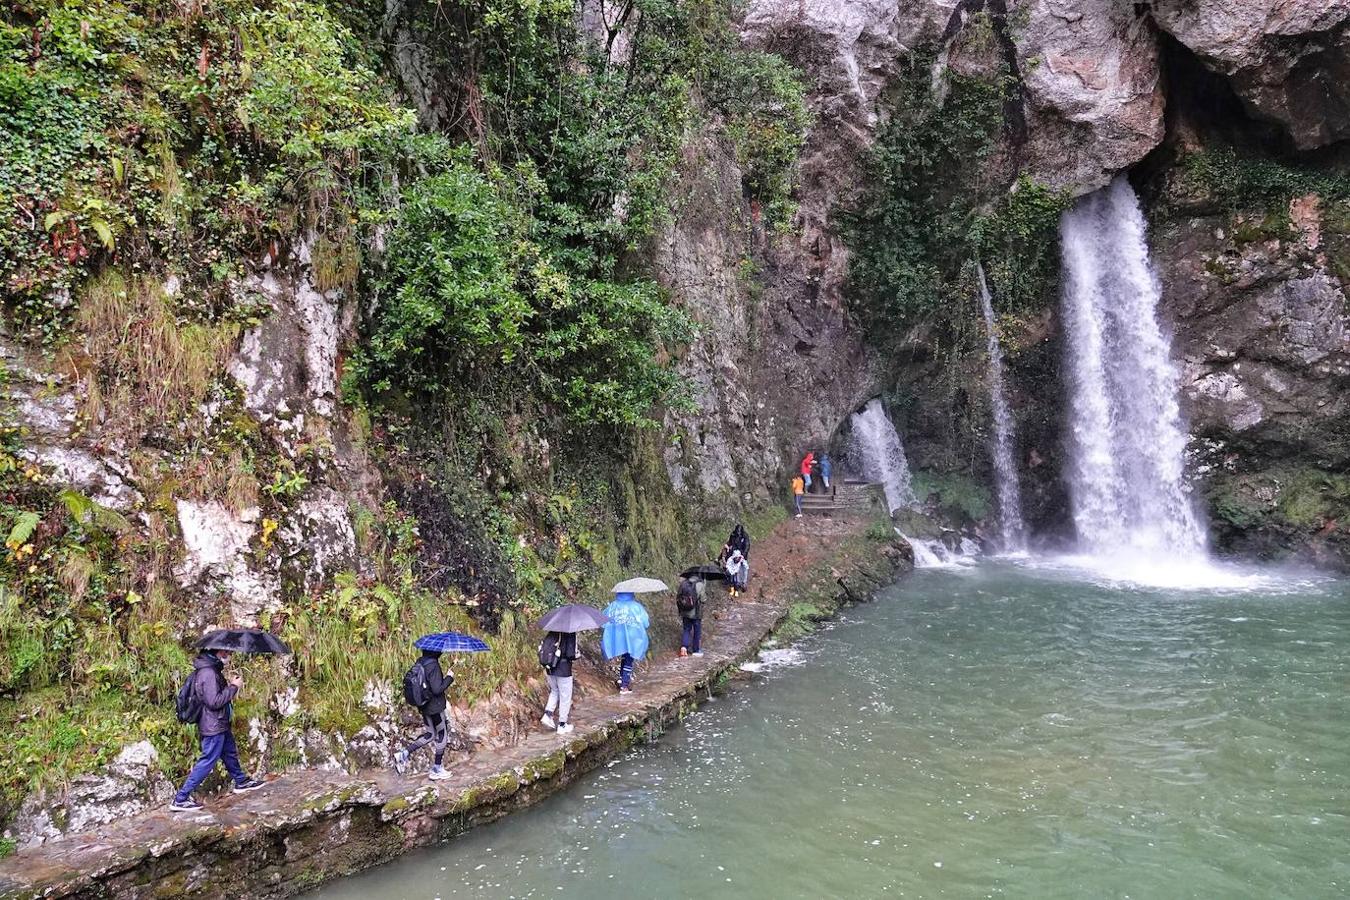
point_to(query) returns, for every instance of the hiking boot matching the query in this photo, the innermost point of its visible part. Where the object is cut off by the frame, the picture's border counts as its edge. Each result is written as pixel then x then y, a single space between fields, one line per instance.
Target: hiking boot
pixel 188 805
pixel 401 762
pixel 684 651
pixel 251 785
pixel 564 728
pixel 438 773
pixel 547 721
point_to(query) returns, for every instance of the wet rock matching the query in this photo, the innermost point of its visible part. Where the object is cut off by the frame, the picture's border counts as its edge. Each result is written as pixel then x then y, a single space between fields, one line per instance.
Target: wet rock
pixel 128 785
pixel 218 559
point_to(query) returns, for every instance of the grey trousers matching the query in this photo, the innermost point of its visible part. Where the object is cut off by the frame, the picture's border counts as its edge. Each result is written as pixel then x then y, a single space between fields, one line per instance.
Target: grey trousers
pixel 559 696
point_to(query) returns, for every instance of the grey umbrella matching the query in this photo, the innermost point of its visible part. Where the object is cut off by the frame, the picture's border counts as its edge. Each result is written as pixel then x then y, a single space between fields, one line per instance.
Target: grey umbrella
pixel 572 618
pixel 640 586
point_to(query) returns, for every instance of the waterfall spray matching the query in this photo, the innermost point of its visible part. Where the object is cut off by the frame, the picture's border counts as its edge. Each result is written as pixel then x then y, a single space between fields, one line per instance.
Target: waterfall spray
pixel 879 454
pixel 1127 442
pixel 1012 530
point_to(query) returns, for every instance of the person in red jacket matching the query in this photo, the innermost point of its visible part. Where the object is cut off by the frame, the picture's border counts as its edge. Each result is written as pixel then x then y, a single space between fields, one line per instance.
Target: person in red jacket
pixel 807 462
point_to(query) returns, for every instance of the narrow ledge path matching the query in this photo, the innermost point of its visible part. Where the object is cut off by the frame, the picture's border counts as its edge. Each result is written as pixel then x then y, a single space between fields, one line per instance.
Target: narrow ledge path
pixel 309 826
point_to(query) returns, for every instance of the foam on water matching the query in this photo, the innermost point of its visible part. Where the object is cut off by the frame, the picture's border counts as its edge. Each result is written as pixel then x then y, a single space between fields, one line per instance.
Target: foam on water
pixel 777 658
pixel 1187 574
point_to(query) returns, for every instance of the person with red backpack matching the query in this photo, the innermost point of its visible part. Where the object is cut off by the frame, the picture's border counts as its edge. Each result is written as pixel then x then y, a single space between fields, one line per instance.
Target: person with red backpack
pixel 207 701
pixel 425 686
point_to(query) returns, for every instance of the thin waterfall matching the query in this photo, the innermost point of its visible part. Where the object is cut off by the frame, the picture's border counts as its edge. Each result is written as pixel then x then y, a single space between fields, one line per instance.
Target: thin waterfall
pixel 879 455
pixel 1012 530
pixel 1127 442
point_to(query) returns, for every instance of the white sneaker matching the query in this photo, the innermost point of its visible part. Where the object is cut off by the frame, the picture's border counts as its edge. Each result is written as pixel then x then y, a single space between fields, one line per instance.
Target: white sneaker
pixel 564 728
pixel 438 773
pixel 401 762
pixel 698 653
pixel 547 721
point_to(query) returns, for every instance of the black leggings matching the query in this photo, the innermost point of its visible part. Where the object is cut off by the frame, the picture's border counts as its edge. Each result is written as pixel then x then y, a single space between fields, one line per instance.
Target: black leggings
pixel 436 735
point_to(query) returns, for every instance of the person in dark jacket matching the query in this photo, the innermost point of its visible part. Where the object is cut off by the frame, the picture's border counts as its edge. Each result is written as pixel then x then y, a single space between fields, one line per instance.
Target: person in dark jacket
pixel 689 604
pixel 433 715
pixel 560 682
pixel 216 693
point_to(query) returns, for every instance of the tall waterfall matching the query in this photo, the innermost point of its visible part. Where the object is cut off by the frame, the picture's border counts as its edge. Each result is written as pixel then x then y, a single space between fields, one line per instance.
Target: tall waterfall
pixel 880 456
pixel 1127 440
pixel 1012 530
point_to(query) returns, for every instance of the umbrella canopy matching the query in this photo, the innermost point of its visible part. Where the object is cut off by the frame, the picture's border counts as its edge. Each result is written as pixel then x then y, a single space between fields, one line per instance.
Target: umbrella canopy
pixel 572 618
pixel 243 640
pixel 626 631
pixel 707 572
pixel 451 642
pixel 640 586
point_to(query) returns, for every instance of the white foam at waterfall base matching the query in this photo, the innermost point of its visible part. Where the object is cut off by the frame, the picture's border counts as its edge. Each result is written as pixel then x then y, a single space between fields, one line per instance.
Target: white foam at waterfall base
pixel 880 455
pixel 933 554
pixel 1131 509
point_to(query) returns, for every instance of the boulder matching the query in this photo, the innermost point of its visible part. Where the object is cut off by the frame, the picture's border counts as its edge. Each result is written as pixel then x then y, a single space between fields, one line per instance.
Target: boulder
pixel 1093 91
pixel 1288 60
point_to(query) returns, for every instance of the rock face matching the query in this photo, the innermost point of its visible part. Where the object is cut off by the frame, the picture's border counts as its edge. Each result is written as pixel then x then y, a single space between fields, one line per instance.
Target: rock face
pixel 1094 96
pixel 1263 339
pixel 775 364
pixel 1289 60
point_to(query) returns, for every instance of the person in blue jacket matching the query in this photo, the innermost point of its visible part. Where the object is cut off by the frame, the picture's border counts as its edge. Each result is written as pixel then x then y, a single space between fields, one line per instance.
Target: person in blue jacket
pixel 625 636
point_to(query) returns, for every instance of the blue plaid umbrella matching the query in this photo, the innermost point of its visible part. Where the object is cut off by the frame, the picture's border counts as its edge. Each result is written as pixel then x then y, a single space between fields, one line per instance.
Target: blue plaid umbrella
pixel 451 642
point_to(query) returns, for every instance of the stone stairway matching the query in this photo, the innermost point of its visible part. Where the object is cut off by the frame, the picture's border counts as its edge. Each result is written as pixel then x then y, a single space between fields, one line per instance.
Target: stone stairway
pixel 847 497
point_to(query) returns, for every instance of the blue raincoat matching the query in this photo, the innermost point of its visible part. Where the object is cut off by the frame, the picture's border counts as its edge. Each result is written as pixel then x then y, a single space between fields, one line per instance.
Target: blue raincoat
pixel 626 631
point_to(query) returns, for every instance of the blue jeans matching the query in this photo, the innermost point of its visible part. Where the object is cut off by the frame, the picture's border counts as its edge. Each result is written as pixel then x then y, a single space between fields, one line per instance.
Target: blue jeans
pixel 798 499
pixel 215 748
pixel 626 670
pixel 691 634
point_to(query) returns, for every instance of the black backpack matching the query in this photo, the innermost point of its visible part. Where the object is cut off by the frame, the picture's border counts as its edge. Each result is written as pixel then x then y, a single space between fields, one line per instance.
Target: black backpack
pixel 687 598
pixel 415 688
pixel 550 651
pixel 188 705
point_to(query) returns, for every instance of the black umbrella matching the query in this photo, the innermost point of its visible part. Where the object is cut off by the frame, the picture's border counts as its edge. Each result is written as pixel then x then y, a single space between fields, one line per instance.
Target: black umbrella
pixel 242 640
pixel 572 618
pixel 706 572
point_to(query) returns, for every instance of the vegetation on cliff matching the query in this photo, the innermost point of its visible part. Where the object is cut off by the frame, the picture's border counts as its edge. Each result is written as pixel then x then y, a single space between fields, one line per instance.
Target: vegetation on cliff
pixel 485 210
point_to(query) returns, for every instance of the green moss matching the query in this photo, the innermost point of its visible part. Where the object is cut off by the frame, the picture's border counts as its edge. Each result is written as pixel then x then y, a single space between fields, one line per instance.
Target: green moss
pixel 955 495
pixel 545 768
pixel 494 788
pixel 1311 497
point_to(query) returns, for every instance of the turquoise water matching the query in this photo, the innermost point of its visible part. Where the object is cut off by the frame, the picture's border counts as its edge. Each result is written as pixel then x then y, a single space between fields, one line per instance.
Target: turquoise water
pixel 995 731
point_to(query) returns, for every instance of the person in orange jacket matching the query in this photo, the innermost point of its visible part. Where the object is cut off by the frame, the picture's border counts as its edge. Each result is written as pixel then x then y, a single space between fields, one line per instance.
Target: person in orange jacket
pixel 798 488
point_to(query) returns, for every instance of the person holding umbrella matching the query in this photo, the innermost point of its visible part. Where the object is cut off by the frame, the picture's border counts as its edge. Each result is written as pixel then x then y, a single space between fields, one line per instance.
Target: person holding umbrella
pixel 689 604
pixel 424 686
pixel 556 652
pixel 625 635
pixel 207 700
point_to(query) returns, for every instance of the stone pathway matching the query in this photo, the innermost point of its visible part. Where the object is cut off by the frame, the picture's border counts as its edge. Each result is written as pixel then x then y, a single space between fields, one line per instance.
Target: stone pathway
pixel 303 827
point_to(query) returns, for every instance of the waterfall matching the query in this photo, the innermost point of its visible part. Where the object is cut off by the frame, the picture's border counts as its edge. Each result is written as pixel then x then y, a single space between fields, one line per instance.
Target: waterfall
pixel 1127 442
pixel 879 455
pixel 1012 530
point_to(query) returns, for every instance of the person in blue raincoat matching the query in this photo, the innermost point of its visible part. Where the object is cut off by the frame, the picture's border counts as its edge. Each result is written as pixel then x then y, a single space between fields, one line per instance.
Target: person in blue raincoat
pixel 625 636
